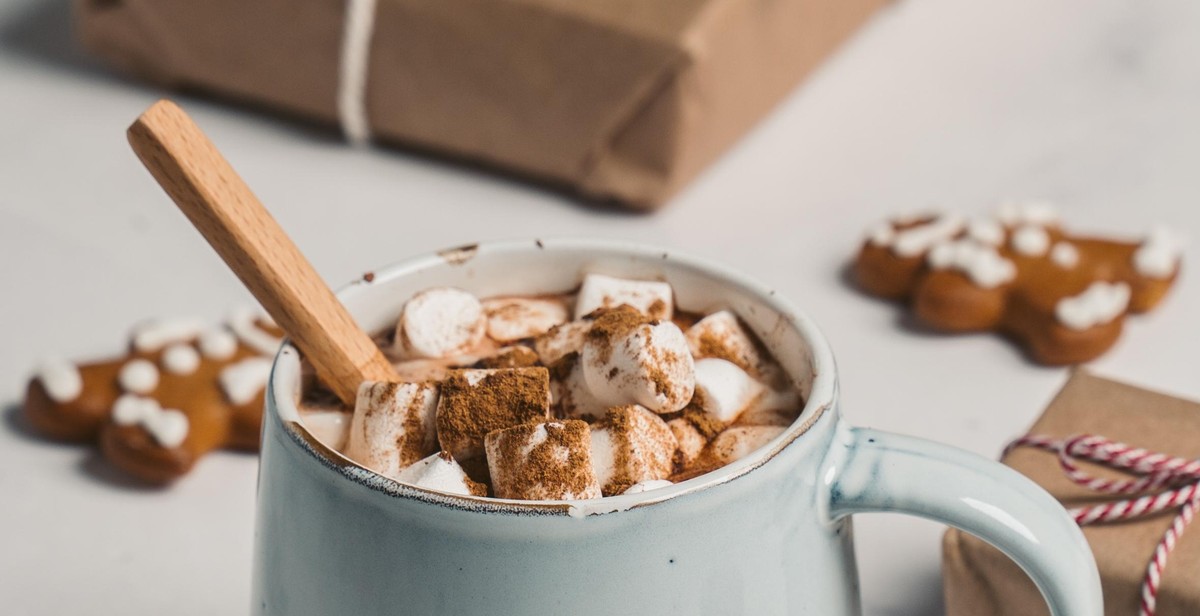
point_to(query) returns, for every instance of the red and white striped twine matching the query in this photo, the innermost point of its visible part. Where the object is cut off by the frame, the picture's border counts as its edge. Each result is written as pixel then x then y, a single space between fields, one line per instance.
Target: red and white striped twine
pixel 1175 483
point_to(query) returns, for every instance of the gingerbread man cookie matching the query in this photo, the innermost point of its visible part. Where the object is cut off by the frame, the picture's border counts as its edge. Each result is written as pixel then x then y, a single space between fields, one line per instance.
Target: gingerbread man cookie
pixel 1063 297
pixel 183 389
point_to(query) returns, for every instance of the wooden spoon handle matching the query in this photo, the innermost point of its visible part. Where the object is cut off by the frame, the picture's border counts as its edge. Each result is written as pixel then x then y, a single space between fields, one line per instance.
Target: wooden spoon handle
pixel 220 205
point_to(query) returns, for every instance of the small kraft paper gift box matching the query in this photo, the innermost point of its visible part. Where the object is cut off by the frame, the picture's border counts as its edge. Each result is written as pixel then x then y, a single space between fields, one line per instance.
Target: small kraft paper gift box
pixel 615 100
pixel 981 581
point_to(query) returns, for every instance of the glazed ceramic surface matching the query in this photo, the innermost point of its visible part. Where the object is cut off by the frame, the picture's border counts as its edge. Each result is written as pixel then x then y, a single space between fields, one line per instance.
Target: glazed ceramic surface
pixel 768 534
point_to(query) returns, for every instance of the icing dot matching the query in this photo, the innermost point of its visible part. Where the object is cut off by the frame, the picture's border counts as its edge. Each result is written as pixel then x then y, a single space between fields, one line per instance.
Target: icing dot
pixel 1158 255
pixel 986 232
pixel 1031 241
pixel 1099 303
pixel 60 379
pixel 218 344
pixel 881 234
pixel 242 381
pixel 1029 212
pixel 169 427
pixel 243 323
pixel 181 359
pixel 916 240
pixel 982 264
pixel 132 409
pixel 152 336
pixel 1064 255
pixel 138 376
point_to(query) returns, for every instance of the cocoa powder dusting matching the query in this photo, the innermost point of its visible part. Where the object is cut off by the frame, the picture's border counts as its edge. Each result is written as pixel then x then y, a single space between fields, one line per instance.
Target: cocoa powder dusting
pixel 612 325
pixel 543 472
pixel 708 425
pixel 511 357
pixel 501 399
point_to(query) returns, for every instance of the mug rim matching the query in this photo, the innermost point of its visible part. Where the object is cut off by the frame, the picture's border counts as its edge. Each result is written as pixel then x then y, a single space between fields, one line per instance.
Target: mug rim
pixel 283 385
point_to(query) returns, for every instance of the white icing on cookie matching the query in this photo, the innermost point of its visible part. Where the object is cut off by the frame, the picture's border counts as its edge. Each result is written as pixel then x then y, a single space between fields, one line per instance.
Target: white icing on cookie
pixel 1014 213
pixel 1100 303
pixel 242 381
pixel 1158 255
pixel 1065 255
pixel 982 264
pixel 881 234
pixel 168 427
pixel 242 322
pixel 986 232
pixel 181 358
pixel 1031 240
pixel 154 335
pixel 138 376
pixel 60 378
pixel 217 344
pixel 913 241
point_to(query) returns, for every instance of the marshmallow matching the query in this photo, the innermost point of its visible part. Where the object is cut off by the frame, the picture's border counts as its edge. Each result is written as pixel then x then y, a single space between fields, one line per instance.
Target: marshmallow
pixel 651 298
pixel 721 335
pixel 138 376
pixel 570 393
pixel 168 427
pixel 440 472
pixel 515 318
pixel 511 357
pixel 1158 256
pixel 439 322
pixel 1064 255
pixel 1099 303
pixel 243 381
pixel 776 407
pixel 630 446
pixel 393 425
pixel 689 439
pixel 476 402
pixel 60 378
pixel 181 358
pixel 735 443
pixel 543 461
pixel 627 360
pixel 560 341
pixel 417 370
pixel 1031 240
pixel 646 486
pixel 330 426
pixel 723 390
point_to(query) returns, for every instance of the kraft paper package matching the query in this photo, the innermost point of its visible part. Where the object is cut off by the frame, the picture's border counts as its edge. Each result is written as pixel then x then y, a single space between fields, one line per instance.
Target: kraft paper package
pixel 616 100
pixel 981 581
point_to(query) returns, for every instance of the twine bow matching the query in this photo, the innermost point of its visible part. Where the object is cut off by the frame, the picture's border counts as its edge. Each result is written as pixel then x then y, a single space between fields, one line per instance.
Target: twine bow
pixel 1164 482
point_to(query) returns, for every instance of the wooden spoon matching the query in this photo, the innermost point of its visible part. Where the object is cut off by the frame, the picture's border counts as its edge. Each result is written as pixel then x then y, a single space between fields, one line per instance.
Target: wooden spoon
pixel 220 205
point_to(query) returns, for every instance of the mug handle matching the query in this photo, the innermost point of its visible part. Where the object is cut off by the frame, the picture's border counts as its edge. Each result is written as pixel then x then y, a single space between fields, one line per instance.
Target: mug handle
pixel 884 472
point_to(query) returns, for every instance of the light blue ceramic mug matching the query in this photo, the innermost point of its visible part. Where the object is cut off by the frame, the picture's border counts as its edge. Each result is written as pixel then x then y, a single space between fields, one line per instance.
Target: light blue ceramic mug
pixel 768 534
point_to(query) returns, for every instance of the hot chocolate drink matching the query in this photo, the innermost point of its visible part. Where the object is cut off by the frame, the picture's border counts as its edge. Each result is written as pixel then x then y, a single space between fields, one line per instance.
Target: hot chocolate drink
pixel 609 389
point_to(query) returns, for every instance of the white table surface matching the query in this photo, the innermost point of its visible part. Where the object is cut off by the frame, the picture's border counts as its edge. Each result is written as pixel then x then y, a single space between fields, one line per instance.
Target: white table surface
pixel 1091 103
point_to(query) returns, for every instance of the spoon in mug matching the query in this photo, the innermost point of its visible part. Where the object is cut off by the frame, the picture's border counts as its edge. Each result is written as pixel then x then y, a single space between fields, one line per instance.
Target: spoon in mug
pixel 221 206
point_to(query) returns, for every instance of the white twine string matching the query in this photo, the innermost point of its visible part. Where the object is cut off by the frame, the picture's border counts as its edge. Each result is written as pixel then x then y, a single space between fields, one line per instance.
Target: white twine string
pixel 352 70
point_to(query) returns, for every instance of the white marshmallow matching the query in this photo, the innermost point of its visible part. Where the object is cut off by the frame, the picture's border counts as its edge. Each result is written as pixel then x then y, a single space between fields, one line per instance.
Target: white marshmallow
pixel 439 322
pixel 442 473
pixel 650 365
pixel 515 318
pixel 544 461
pixel 690 441
pixel 138 376
pixel 1100 303
pixel 243 381
pixel 723 390
pixel 1158 256
pixel 776 407
pixel 393 425
pixel 475 402
pixel 330 426
pixel 1031 240
pixel 737 442
pixel 982 264
pixel 721 335
pixel 218 344
pixel 646 486
pixel 652 298
pixel 154 335
pixel 1064 255
pixel 561 341
pixel 572 396
pixel 60 378
pixel 630 446
pixel 181 358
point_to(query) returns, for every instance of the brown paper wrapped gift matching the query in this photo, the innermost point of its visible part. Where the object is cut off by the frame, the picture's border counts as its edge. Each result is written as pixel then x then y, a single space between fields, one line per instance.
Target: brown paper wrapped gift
pixel 621 100
pixel 980 581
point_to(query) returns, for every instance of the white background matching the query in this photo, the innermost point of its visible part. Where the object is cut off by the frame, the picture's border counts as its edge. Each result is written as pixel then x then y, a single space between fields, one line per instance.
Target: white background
pixel 1094 104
